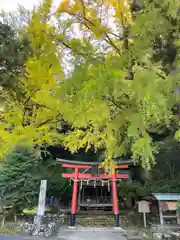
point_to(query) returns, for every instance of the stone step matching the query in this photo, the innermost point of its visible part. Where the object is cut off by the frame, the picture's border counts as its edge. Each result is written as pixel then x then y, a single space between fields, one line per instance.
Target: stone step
pixel 95 220
pixel 134 238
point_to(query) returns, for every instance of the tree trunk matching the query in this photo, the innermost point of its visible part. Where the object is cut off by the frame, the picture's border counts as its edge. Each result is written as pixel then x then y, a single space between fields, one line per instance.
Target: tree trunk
pixel 146 174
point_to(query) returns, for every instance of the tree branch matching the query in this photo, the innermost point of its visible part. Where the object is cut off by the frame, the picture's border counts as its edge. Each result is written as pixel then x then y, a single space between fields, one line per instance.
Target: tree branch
pixel 119 105
pixel 146 68
pixel 25 105
pixel 86 21
pixel 49 120
pixel 109 40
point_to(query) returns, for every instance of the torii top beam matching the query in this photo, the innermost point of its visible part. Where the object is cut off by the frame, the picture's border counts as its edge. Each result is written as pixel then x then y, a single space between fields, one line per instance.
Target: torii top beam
pixel 65 161
pixel 82 165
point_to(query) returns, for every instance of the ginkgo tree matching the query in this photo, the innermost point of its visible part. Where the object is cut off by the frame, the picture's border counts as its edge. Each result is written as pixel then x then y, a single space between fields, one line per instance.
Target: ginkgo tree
pixel 121 87
pixel 109 111
pixel 35 117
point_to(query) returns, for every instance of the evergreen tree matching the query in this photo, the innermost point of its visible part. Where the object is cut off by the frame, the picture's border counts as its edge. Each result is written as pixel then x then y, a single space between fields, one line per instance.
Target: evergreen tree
pixel 13 53
pixel 19 178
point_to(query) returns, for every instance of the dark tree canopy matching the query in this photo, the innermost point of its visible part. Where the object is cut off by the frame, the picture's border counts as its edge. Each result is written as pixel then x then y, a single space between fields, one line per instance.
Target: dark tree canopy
pixel 13 53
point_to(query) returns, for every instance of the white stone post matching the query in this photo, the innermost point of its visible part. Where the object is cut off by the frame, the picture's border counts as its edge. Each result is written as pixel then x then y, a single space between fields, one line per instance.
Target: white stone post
pixel 41 206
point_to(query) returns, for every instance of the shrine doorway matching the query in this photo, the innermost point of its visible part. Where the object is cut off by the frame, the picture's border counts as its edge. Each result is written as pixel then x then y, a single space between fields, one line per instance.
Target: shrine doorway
pixel 95 198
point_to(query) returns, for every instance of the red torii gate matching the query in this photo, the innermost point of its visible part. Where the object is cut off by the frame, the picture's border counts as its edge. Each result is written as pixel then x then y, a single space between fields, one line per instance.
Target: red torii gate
pixel 76 176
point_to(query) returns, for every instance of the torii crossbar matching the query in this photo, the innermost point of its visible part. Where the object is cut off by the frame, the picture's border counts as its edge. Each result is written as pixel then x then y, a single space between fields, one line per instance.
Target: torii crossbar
pixel 76 176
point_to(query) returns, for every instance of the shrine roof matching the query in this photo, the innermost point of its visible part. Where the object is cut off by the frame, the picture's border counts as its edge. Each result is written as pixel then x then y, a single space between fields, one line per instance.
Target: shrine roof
pixel 167 196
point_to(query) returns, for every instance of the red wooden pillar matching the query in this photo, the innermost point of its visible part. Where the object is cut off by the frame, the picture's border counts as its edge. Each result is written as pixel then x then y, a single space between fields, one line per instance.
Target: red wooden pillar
pixel 115 199
pixel 74 199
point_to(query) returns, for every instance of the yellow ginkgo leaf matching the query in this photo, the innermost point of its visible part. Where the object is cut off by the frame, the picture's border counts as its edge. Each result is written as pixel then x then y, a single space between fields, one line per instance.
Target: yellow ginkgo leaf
pixel 64 6
pixel 77 7
pixel 70 6
pixel 131 40
pixel 110 3
pixel 122 10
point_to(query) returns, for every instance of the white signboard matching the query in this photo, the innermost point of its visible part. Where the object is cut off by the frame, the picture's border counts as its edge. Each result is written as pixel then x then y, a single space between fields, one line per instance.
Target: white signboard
pixel 42 198
pixel 144 206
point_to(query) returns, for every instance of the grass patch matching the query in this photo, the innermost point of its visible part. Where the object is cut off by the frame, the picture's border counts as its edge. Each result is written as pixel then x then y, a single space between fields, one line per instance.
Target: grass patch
pixel 11 228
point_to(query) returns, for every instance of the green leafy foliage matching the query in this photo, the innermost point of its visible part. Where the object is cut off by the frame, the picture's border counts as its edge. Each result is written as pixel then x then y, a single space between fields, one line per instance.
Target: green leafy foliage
pixel 134 190
pixel 165 175
pixel 121 86
pixel 20 176
pixel 14 52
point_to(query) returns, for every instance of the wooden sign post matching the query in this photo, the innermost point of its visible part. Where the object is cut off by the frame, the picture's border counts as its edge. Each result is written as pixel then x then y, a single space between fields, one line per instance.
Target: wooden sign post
pixel 144 218
pixel 143 207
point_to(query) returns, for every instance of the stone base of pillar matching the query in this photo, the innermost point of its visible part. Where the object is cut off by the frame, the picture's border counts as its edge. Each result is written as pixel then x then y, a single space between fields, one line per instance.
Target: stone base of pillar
pixel 73 220
pixel 116 219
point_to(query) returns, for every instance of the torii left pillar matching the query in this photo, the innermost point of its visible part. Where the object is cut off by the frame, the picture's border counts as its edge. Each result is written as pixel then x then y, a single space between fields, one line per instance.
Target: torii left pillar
pixel 74 199
pixel 115 199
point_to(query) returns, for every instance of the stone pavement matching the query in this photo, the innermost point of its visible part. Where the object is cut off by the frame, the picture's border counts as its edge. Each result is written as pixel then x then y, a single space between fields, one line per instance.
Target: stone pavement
pixel 80 233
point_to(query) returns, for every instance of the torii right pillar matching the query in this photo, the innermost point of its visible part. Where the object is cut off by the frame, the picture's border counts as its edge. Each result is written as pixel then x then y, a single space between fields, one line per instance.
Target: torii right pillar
pixel 115 198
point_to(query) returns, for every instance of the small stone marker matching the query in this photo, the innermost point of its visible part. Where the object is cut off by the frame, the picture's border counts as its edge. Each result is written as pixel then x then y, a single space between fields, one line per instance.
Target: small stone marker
pixel 144 207
pixel 42 198
pixel 41 206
